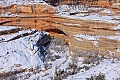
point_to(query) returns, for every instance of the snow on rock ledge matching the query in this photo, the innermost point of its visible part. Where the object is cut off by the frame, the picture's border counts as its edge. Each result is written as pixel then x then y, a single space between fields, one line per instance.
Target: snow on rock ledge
pixel 116 6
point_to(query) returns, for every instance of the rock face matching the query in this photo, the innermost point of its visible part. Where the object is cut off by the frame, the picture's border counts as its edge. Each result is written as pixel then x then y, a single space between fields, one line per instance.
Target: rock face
pixel 30 8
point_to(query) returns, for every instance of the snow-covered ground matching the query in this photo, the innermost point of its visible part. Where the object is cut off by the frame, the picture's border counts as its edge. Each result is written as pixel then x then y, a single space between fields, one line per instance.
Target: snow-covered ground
pixel 3 28
pixel 111 71
pixel 18 52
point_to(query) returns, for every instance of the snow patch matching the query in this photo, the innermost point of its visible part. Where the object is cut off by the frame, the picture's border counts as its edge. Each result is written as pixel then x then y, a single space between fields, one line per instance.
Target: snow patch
pixel 3 28
pixel 118 27
pixel 113 37
pixel 118 49
pixel 88 37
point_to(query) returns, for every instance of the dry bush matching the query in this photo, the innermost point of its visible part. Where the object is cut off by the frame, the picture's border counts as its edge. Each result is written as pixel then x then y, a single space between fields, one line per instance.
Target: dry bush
pixel 92 58
pixel 101 76
pixel 21 76
pixel 12 77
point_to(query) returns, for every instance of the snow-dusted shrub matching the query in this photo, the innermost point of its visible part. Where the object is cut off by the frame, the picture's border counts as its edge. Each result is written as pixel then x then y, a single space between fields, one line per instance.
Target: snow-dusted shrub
pixel 92 59
pixel 73 68
pixel 101 76
pixel 20 76
pixel 60 75
pixel 57 56
pixel 70 70
pixel 86 67
pixel 13 77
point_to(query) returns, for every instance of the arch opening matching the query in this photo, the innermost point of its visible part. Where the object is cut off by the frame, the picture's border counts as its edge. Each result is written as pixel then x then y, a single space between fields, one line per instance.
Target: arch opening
pixel 56 30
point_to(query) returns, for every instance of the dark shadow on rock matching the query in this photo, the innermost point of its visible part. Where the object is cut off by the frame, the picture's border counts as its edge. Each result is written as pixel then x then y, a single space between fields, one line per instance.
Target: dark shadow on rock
pixel 56 31
pixel 43 44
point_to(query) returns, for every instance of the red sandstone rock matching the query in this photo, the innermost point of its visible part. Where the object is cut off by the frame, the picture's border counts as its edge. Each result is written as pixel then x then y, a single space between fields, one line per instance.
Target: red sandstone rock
pixel 31 8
